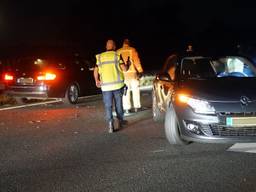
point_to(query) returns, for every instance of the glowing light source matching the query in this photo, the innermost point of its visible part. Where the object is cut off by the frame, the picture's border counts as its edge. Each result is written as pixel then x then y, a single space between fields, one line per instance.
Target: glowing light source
pixel 46 77
pixel 8 77
pixel 183 98
pixel 38 62
pixel 198 105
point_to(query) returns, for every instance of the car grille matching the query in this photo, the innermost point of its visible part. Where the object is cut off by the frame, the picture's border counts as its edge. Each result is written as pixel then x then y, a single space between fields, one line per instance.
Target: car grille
pixel 222 130
pixel 219 130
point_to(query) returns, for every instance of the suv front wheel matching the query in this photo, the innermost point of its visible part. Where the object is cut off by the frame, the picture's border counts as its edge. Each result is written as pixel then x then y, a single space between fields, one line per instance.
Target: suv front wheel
pixel 172 128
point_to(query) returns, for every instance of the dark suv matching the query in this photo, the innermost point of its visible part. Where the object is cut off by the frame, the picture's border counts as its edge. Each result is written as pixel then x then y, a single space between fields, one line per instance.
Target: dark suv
pixel 207 99
pixel 45 77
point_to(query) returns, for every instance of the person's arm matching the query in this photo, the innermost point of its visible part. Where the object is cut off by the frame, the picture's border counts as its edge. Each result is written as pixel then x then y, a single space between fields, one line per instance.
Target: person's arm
pixel 136 61
pixel 96 77
pixel 122 64
pixel 123 67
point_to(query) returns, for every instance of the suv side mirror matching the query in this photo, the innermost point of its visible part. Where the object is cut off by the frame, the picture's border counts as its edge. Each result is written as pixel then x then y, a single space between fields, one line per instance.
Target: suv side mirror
pixel 164 77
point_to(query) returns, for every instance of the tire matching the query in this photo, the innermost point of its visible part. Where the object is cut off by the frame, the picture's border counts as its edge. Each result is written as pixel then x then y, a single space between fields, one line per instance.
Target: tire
pixel 72 94
pixel 156 112
pixel 172 128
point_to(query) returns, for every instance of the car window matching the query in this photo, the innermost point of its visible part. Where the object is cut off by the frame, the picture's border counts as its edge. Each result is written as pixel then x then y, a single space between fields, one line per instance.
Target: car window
pixel 234 66
pixel 197 68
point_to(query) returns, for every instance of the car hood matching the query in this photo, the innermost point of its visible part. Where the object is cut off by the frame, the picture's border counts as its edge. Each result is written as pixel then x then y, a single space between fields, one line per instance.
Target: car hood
pixel 221 89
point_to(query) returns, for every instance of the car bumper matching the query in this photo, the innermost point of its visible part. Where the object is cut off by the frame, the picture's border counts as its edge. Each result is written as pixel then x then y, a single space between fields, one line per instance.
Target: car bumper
pixel 212 139
pixel 211 128
pixel 31 91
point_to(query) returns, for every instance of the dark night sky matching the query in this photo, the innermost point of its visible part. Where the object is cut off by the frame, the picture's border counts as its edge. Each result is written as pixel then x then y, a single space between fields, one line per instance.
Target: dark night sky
pixel 156 27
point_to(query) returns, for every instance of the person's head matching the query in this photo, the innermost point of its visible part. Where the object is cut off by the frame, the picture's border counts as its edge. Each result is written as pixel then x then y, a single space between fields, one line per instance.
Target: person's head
pixel 126 42
pixel 189 48
pixel 110 45
pixel 170 65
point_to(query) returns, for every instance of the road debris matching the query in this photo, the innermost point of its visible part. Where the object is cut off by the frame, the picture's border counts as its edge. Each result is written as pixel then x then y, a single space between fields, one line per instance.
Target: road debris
pixel 158 151
pixel 37 121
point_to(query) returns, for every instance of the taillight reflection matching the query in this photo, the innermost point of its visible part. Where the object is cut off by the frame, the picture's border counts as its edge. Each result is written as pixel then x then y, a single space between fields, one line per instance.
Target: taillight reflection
pixel 46 77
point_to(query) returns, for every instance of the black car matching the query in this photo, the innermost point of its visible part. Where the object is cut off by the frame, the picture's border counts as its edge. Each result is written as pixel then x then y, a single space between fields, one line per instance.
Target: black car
pixel 4 76
pixel 206 99
pixel 1 77
pixel 66 77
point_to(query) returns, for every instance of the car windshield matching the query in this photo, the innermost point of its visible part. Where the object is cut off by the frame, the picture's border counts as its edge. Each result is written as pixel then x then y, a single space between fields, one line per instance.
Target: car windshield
pixel 233 67
pixel 204 68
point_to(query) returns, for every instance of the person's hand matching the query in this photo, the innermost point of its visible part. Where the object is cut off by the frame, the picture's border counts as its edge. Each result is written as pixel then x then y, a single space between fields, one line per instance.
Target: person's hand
pixel 128 63
pixel 98 83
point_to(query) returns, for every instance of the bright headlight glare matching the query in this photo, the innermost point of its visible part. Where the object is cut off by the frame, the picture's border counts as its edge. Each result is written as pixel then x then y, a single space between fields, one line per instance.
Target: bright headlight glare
pixel 199 106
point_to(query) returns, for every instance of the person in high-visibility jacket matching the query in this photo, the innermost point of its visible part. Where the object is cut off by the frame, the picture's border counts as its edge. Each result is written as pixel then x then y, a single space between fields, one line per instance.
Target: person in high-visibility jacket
pixel 131 76
pixel 108 75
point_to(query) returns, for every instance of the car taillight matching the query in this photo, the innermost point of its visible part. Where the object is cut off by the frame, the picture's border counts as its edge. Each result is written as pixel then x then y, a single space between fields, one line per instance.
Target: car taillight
pixel 46 77
pixel 8 77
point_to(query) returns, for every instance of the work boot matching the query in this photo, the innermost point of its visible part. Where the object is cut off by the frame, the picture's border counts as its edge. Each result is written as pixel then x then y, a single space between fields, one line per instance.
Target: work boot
pixel 122 123
pixel 136 110
pixel 126 111
pixel 111 127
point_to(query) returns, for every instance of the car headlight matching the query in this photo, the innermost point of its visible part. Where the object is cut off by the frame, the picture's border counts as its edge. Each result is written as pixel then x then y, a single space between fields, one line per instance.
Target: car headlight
pixel 199 106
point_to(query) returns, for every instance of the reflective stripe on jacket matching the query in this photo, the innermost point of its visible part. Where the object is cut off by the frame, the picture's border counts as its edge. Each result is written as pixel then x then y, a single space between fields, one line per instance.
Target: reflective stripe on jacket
pixel 135 67
pixel 111 75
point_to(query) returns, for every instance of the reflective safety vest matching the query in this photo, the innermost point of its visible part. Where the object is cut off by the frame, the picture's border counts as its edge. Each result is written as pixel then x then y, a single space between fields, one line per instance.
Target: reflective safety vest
pixel 135 67
pixel 111 75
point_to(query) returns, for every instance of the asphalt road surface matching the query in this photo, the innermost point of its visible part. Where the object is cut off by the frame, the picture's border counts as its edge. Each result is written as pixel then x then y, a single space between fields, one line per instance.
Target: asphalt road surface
pixel 61 148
